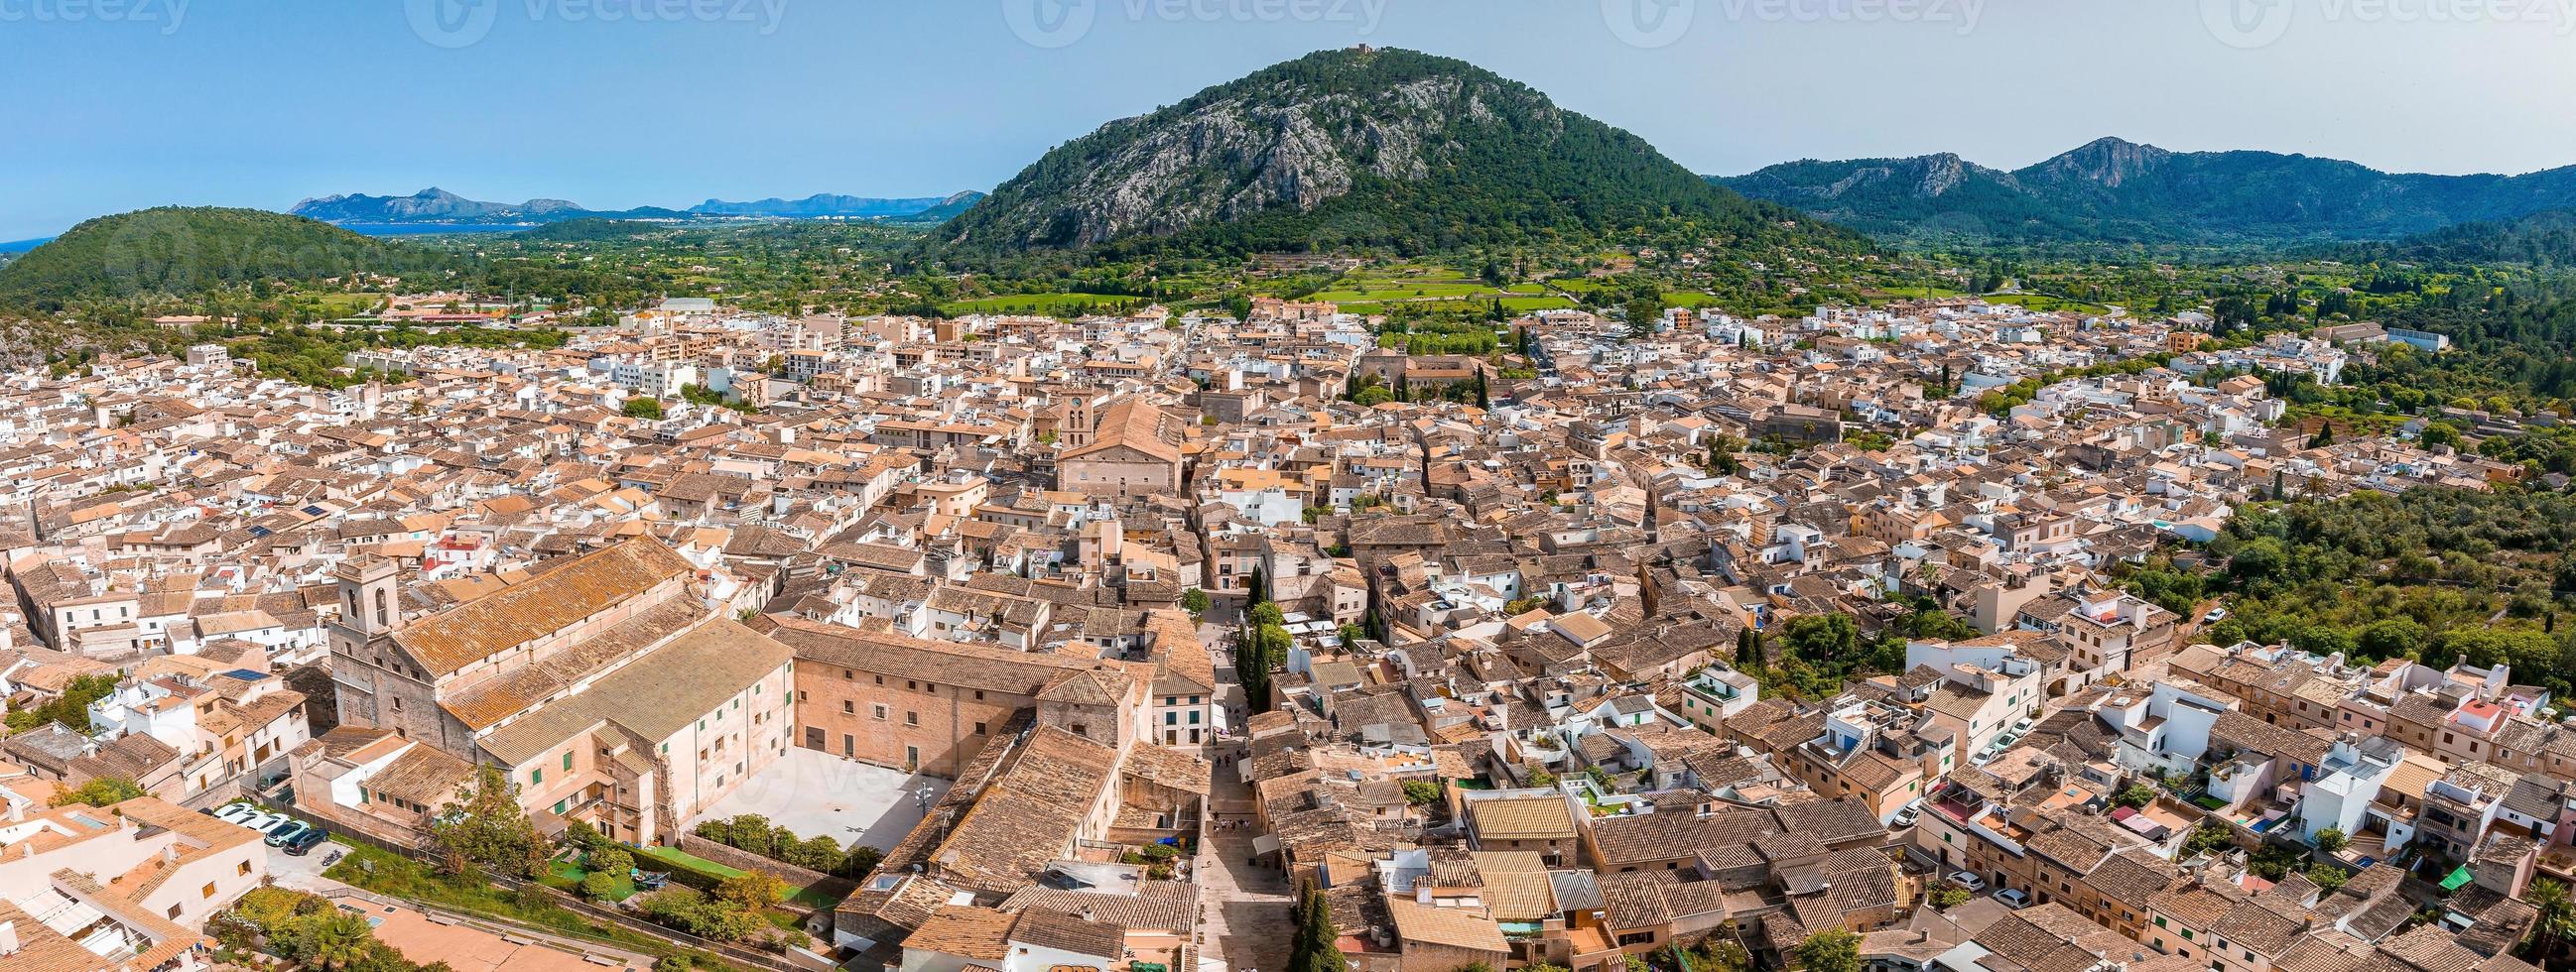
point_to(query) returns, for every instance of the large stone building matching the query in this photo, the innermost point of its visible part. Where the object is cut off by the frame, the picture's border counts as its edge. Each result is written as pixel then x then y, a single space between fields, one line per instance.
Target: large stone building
pixel 1128 452
pixel 604 685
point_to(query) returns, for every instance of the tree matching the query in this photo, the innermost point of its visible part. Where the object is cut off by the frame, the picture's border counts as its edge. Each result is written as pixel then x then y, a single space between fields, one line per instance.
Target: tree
pixel 751 890
pixel 2328 877
pixel 701 915
pixel 612 860
pixel 1194 601
pixel 332 940
pixel 104 791
pixel 2556 925
pixel 1421 793
pixel 1314 948
pixel 2331 840
pixel 580 835
pixel 599 886
pixel 1947 898
pixel 484 827
pixel 1831 950
pixel 862 860
pixel 2135 796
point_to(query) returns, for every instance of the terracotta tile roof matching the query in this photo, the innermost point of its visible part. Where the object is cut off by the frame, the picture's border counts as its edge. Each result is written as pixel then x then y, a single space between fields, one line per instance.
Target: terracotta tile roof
pixel 1168 906
pixel 1030 813
pixel 1516 818
pixel 939 662
pixel 1453 927
pixel 965 932
pixel 652 697
pixel 551 602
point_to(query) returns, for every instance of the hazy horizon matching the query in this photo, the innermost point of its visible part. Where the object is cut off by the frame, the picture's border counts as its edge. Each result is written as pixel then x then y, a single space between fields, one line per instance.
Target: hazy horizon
pixel 615 104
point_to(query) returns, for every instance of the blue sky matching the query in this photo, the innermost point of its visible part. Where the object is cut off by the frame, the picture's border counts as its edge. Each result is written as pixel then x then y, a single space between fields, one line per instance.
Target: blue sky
pixel 120 104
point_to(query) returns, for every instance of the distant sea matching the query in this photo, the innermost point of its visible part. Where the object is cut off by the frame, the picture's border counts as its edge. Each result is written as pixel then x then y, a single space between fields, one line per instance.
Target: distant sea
pixel 23 246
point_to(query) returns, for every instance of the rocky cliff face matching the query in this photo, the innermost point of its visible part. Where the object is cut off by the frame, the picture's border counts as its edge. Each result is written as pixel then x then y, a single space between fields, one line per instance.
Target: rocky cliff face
pixel 1345 146
pixel 2106 162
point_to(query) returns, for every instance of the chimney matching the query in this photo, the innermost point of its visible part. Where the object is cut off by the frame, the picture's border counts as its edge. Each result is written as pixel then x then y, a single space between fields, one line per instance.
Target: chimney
pixel 8 938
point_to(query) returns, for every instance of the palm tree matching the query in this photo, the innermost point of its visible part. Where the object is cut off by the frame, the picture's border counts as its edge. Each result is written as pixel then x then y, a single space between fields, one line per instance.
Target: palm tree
pixel 337 940
pixel 2557 923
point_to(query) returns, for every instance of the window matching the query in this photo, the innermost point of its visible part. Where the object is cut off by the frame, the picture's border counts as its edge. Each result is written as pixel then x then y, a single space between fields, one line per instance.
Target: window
pixel 567 761
pixel 979 728
pixel 208 891
pixel 174 912
pixel 536 776
pixel 849 708
pixel 559 806
pixel 879 711
pixel 243 868
pixel 912 718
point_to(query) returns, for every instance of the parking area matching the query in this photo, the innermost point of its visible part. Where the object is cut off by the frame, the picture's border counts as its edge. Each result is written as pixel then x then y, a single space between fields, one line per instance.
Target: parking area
pixel 817 794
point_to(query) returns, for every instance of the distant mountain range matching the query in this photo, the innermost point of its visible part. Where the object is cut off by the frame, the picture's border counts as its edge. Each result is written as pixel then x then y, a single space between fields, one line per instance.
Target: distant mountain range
pixel 1359 148
pixel 434 207
pixel 2113 191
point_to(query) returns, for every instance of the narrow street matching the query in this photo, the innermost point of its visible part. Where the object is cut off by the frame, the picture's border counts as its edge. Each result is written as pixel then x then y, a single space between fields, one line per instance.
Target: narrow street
pixel 1245 906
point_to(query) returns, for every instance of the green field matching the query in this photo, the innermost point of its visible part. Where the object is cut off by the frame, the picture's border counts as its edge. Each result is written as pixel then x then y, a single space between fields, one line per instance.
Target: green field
pixel 1910 293
pixel 1052 304
pixel 2043 302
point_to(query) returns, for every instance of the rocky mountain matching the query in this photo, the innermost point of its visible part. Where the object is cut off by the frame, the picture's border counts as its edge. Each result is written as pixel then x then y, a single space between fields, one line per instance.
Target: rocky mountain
pixel 2112 191
pixel 180 251
pixel 432 205
pixel 1352 148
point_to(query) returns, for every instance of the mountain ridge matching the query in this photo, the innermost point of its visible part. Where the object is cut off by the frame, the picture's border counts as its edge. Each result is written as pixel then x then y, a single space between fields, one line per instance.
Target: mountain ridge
pixel 2115 191
pixel 434 206
pixel 1353 148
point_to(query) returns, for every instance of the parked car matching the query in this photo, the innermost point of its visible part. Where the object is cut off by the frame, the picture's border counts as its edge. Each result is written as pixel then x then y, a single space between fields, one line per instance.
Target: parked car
pixel 259 820
pixel 1968 880
pixel 2215 615
pixel 2013 898
pixel 236 811
pixel 306 841
pixel 1912 812
pixel 287 831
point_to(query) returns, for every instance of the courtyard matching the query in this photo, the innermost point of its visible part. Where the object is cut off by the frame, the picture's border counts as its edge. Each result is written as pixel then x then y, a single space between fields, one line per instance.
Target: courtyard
pixel 817 794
